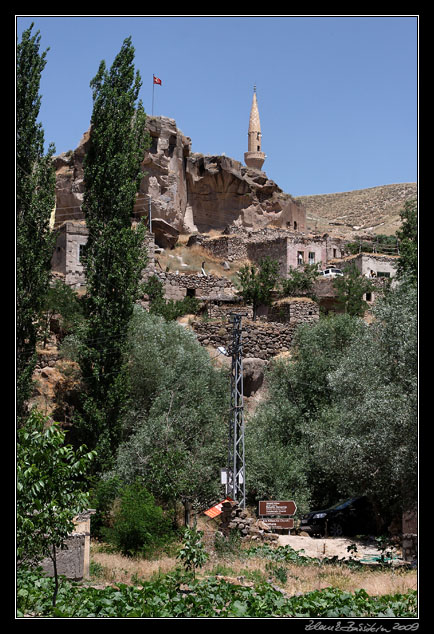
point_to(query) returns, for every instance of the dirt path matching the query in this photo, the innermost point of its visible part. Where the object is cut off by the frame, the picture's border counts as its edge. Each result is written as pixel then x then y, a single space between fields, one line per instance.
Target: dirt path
pixel 327 547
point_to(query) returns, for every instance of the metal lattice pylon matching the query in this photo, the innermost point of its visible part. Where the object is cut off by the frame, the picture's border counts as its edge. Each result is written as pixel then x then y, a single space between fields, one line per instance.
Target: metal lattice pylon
pixel 236 488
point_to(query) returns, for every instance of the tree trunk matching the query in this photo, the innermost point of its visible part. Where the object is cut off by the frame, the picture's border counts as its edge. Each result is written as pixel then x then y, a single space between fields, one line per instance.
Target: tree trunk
pixel 56 577
pixel 187 512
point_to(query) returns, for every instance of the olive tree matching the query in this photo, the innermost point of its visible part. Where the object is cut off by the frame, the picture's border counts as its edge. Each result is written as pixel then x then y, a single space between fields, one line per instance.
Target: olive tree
pixel 175 420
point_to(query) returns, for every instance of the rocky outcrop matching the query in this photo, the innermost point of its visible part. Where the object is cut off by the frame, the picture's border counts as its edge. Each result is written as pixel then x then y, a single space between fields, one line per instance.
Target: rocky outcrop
pixel 190 191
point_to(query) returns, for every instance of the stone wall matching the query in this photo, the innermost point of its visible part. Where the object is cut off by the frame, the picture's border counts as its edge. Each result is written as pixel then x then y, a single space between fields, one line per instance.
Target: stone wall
pixel 260 339
pixel 178 286
pixel 233 518
pixel 286 247
pixel 74 560
pixel 294 310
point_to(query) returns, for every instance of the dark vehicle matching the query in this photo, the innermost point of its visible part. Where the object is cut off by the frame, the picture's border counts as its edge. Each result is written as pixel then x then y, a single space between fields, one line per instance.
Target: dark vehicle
pixel 351 517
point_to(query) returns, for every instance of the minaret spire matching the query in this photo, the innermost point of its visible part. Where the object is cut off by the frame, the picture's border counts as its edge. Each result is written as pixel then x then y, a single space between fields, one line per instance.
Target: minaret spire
pixel 254 157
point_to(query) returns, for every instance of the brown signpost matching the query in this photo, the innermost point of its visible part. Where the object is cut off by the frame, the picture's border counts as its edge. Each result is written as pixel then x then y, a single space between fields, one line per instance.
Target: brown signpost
pixel 273 507
pixel 278 522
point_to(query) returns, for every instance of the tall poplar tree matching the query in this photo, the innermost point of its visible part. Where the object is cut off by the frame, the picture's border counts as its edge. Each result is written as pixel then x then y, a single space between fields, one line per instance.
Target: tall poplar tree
pixel 114 256
pixel 35 190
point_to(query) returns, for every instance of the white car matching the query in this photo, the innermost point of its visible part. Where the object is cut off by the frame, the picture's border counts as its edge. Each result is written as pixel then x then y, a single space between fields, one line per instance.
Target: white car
pixel 331 272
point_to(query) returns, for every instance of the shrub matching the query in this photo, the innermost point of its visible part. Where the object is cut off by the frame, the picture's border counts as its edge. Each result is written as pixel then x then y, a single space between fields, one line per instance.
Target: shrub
pixel 139 525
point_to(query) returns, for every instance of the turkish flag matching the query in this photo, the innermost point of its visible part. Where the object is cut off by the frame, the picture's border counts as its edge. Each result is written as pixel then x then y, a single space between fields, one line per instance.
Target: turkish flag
pixel 157 81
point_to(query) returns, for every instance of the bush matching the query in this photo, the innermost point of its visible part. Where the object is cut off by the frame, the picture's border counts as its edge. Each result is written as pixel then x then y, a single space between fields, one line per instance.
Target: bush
pixel 102 498
pixel 139 525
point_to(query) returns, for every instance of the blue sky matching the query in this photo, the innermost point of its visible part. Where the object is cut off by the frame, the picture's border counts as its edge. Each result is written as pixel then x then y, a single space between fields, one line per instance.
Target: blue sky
pixel 337 95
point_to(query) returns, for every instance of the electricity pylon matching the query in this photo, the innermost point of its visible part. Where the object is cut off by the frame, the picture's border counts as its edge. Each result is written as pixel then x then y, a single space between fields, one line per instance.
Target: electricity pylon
pixel 236 481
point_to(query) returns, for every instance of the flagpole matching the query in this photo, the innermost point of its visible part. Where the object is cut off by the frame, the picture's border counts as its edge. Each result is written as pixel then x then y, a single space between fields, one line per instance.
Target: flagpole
pixel 153 86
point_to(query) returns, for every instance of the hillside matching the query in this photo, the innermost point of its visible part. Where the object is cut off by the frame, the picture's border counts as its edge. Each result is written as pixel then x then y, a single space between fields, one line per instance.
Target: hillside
pixel 362 211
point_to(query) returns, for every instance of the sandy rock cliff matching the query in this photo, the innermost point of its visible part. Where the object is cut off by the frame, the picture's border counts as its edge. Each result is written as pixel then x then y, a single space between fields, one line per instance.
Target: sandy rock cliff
pixel 190 191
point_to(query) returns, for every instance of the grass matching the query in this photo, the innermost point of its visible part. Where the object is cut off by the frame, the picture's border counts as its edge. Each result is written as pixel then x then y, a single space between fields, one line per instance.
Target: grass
pixel 109 568
pixel 193 257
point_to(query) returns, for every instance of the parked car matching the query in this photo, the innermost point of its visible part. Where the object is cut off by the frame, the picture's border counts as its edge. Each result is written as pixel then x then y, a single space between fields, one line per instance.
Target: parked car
pixel 354 516
pixel 331 272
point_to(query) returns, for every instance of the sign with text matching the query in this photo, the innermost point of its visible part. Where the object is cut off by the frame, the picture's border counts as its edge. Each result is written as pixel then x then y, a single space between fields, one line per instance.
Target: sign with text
pixel 278 522
pixel 273 507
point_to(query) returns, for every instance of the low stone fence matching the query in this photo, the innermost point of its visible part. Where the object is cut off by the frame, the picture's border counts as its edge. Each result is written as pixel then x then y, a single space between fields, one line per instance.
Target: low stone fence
pixel 260 339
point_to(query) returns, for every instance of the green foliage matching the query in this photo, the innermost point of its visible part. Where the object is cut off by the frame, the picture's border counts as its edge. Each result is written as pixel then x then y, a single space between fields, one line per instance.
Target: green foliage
pixel 114 255
pixel 171 309
pixel 256 284
pixel 285 427
pixel 408 236
pixel 341 415
pixel 228 547
pixel 102 497
pixel 300 281
pixel 375 391
pixel 383 244
pixel 35 190
pixel 351 287
pixel 175 421
pixel 50 489
pixel 61 300
pixel 192 553
pixel 139 524
pixel 208 598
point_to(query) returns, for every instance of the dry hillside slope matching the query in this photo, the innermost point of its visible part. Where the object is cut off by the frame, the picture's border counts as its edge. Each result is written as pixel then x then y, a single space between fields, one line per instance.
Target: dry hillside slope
pixel 363 211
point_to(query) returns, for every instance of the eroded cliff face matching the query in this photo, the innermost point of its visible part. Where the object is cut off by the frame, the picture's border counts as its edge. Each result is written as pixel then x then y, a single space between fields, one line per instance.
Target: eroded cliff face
pixel 191 191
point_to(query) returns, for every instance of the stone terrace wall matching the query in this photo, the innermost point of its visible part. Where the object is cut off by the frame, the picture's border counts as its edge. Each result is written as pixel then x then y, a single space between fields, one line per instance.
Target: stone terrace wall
pixel 262 340
pixel 294 310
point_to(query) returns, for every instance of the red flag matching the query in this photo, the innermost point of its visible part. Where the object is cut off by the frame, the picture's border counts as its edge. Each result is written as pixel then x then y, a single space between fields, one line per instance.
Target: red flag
pixel 157 80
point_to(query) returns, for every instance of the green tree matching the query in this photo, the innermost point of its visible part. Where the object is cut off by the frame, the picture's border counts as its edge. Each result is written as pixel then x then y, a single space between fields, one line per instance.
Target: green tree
pixel 176 417
pixel 300 281
pixel 114 255
pixel 256 284
pixel 372 444
pixel 35 189
pixel 171 309
pixel 351 287
pixel 407 235
pixel 63 301
pixel 192 553
pixel 287 425
pixel 50 490
pixel 138 524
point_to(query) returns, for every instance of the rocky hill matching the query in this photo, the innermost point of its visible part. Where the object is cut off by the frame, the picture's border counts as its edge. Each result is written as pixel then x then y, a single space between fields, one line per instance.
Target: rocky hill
pixel 198 193
pixel 363 211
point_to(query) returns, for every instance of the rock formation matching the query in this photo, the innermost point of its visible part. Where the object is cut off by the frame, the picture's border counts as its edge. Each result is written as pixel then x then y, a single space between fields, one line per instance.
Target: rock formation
pixel 190 191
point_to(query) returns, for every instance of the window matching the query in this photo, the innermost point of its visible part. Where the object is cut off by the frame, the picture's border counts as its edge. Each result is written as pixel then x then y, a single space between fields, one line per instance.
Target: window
pixel 311 257
pixel 80 252
pixel 383 274
pixel 295 226
pixel 191 292
pixel 369 297
pixel 334 253
pixel 300 257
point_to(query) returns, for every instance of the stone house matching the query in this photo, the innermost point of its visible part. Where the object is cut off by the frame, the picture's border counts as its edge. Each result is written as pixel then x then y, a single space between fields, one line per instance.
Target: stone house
pixel 66 260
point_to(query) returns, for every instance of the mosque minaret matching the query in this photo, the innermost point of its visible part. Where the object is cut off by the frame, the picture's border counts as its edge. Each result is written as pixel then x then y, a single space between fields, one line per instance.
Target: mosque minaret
pixel 254 157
